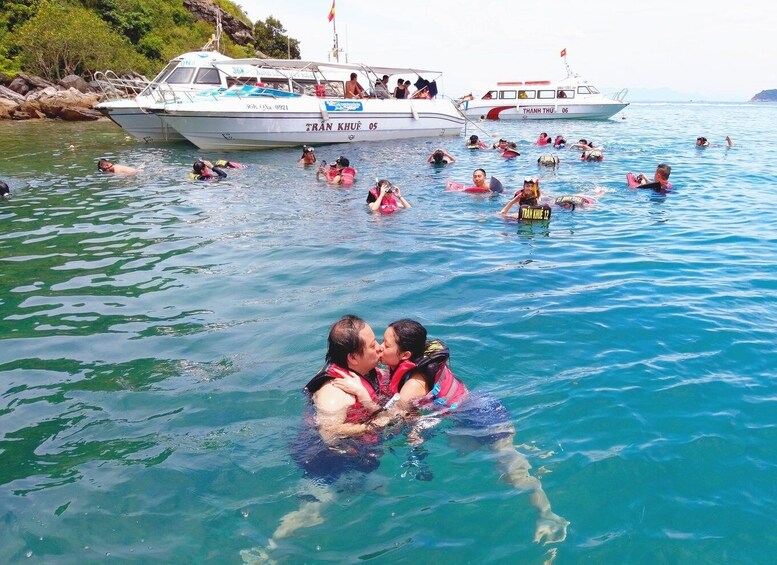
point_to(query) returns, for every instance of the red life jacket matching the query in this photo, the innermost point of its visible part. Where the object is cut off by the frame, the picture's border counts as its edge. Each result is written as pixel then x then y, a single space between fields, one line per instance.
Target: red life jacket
pixel 445 390
pixel 356 412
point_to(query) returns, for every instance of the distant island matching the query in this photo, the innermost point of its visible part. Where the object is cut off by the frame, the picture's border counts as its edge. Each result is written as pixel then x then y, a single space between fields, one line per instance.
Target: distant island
pixel 765 96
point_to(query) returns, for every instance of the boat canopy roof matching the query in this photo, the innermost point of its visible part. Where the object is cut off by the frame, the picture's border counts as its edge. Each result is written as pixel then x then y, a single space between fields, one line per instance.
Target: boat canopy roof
pixel 316 66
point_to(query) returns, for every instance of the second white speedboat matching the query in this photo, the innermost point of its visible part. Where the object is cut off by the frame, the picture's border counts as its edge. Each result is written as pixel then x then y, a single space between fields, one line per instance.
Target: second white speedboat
pixel 570 98
pixel 308 109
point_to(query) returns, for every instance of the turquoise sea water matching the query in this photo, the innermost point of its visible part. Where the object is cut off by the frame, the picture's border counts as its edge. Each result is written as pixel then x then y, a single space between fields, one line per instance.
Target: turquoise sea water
pixel 156 334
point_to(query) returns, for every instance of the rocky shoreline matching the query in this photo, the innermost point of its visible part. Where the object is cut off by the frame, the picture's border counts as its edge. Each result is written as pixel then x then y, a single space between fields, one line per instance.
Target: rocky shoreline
pixel 27 97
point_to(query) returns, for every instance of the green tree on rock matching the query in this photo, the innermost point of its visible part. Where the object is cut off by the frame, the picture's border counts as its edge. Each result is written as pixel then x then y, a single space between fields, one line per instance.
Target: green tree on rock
pixel 271 39
pixel 61 40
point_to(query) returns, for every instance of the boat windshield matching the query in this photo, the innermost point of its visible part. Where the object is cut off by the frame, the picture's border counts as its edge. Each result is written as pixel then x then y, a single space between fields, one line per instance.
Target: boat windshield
pixel 593 89
pixel 181 75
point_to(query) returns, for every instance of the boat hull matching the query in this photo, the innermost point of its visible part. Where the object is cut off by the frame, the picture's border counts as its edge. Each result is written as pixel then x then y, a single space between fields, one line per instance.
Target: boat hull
pixel 136 120
pixel 550 111
pixel 267 124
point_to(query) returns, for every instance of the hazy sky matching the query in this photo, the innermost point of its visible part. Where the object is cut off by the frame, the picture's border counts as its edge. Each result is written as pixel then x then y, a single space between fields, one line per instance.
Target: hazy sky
pixel 707 50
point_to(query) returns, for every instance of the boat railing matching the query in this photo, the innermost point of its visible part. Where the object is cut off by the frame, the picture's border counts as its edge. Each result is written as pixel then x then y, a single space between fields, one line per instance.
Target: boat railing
pixel 620 95
pixel 115 87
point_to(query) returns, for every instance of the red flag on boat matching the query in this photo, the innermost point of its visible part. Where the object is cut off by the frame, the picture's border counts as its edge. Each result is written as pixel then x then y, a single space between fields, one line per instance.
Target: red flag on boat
pixel 563 51
pixel 332 11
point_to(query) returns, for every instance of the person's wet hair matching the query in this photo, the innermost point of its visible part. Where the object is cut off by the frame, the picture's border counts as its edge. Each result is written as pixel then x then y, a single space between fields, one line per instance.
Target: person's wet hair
pixel 198 167
pixel 411 336
pixel 5 192
pixel 344 339
pixel 104 165
pixel 438 156
pixel 664 169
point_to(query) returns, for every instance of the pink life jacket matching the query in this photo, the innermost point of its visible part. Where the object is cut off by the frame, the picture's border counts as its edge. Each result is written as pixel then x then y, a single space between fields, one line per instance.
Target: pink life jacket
pixel 388 205
pixel 445 390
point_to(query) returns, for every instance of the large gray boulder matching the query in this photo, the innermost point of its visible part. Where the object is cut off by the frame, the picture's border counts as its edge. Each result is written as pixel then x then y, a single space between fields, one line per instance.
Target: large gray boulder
pixel 7 108
pixel 63 104
pixel 19 85
pixel 74 81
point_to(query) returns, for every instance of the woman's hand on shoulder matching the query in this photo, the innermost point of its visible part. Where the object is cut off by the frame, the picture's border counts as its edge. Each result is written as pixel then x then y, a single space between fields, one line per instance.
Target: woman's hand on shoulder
pixel 352 385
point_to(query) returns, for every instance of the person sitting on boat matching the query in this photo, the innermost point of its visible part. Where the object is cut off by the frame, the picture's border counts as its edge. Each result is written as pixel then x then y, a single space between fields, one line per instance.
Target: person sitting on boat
pixel 400 91
pixel 422 93
pixel 353 89
pixel 510 150
pixel 381 91
pixel 308 156
pixel 544 139
pixel 548 160
pixel 440 157
pixel 386 198
pixel 105 166
pixel 559 142
pixel 205 170
pixel 522 95
pixel 660 181
pixel 475 143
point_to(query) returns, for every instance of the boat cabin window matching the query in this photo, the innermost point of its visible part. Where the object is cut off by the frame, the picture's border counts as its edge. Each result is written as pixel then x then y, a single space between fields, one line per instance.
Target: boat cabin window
pixel 526 94
pixel 593 90
pixel 491 94
pixel 507 94
pixel 181 75
pixel 583 90
pixel 207 76
pixel 564 93
pixel 166 71
pixel 546 94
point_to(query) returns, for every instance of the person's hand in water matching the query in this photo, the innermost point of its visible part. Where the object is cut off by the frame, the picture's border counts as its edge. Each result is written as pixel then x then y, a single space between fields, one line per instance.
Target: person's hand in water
pixel 551 527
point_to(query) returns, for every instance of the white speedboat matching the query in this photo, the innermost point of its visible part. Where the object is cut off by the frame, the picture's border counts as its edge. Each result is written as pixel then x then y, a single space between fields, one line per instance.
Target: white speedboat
pixel 570 98
pixel 190 73
pixel 301 103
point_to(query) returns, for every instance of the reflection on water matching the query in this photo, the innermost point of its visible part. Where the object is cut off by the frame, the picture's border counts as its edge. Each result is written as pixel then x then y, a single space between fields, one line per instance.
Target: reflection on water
pixel 157 333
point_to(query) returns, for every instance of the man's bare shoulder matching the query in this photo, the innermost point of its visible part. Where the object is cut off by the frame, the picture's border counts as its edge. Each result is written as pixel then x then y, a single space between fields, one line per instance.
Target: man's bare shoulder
pixel 329 398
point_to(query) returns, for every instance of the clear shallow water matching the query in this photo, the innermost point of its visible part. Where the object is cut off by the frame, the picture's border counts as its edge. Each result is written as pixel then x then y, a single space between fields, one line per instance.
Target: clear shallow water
pixel 156 334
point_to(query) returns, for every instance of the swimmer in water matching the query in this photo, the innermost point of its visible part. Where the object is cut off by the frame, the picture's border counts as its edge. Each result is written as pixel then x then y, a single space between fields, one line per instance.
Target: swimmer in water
pixel 106 166
pixel 475 143
pixel 440 157
pixel 529 195
pixel 205 170
pixel 386 198
pixel 5 192
pixel 332 443
pixel 308 156
pixel 660 180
